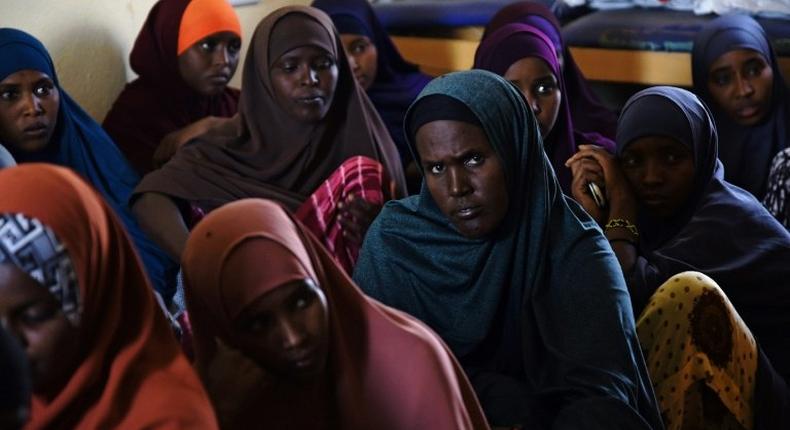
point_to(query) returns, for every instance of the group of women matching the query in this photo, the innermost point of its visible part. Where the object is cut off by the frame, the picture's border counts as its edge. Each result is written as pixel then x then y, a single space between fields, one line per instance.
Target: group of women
pixel 556 266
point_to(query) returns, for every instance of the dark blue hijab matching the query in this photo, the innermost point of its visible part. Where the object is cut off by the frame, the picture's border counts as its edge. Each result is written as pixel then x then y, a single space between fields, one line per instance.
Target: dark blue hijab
pixel 82 145
pixel 745 151
pixel 397 82
pixel 538 313
pixel 721 231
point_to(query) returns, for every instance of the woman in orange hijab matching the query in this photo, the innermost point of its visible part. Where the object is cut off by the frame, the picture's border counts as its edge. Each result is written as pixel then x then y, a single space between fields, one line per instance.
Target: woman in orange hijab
pixel 73 291
pixel 326 356
pixel 184 57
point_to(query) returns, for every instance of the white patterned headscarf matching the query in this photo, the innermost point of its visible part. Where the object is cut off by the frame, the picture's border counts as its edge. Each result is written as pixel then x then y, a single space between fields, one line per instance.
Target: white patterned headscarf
pixel 34 248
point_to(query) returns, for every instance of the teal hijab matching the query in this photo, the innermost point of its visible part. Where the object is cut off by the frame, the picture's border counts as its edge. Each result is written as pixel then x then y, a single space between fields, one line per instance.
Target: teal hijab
pixel 538 313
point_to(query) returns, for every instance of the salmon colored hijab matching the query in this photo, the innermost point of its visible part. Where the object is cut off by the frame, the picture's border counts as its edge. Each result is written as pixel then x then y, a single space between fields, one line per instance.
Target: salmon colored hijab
pixel 132 374
pixel 272 155
pixel 388 370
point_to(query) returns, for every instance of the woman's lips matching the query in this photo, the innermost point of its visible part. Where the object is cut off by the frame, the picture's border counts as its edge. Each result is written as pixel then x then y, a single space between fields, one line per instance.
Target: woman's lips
pixel 748 112
pixel 37 130
pixel 219 79
pixel 468 212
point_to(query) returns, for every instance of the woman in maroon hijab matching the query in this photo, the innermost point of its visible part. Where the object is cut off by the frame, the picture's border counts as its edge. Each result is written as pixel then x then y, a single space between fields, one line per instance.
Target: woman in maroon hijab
pixel 285 340
pixel 185 55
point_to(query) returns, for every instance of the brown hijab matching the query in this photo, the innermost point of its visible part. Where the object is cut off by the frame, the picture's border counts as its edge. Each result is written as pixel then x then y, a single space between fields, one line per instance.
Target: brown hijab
pixel 270 154
pixel 132 374
pixel 386 369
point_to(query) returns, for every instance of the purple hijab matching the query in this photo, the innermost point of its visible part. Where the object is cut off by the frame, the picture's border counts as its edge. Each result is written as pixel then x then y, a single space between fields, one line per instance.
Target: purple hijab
pixel 397 82
pixel 588 113
pixel 746 151
pixel 722 230
pixel 512 42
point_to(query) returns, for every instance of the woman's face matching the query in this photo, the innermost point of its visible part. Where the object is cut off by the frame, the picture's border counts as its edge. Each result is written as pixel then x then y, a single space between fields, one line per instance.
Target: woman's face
pixel 304 81
pixel 208 65
pixel 362 57
pixel 741 83
pixel 661 173
pixel 464 176
pixel 34 316
pixel 540 87
pixel 29 103
pixel 286 330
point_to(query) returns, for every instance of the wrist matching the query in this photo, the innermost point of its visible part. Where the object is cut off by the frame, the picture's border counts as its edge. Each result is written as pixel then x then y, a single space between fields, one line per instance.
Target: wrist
pixel 621 229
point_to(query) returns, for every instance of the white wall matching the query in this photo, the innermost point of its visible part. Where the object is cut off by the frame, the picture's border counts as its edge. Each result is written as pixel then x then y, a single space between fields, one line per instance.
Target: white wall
pixel 90 40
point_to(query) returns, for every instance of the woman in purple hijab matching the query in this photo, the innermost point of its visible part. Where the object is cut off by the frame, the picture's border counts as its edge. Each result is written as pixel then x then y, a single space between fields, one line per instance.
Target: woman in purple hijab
pixel 587 112
pixel 735 71
pixel 526 57
pixel 391 83
pixel 672 214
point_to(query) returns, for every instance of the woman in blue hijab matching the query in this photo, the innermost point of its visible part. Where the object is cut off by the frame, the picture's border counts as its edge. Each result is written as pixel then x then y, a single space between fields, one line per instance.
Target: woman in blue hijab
pixel 39 122
pixel 671 211
pixel 511 273
pixel 736 73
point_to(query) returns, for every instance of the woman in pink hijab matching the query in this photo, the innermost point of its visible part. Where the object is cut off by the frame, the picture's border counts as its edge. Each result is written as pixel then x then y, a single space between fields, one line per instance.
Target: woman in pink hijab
pixel 268 304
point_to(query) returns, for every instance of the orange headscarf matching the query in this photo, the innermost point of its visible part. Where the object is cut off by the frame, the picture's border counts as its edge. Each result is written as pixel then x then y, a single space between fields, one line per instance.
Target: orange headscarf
pixel 388 370
pixel 203 18
pixel 132 374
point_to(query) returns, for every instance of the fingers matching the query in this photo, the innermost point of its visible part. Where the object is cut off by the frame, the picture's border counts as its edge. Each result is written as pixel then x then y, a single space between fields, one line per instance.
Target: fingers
pixel 355 216
pixel 589 151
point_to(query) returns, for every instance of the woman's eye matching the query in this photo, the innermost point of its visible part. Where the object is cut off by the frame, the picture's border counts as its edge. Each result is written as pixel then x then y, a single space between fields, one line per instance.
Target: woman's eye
pixel 234 47
pixel 544 88
pixel 208 45
pixel 38 314
pixel 436 169
pixel 9 94
pixel 43 90
pixel 721 79
pixel 324 63
pixel 288 67
pixel 359 47
pixel 258 323
pixel 629 162
pixel 753 69
pixel 303 301
pixel 474 160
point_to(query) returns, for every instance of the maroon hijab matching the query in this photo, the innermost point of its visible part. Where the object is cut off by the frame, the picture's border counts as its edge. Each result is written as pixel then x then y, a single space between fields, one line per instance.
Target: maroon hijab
pixel 512 42
pixel 159 102
pixel 588 113
pixel 271 155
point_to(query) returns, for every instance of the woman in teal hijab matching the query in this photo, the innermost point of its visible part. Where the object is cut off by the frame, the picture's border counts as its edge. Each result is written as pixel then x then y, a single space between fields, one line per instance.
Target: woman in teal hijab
pixel 514 276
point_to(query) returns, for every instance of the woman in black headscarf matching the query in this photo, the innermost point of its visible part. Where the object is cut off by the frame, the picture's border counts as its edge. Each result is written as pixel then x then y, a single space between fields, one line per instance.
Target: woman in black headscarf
pixel 736 73
pixel 670 211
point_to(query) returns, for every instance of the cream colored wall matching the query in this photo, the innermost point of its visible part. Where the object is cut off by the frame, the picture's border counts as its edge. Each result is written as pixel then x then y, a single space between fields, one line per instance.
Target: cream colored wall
pixel 90 40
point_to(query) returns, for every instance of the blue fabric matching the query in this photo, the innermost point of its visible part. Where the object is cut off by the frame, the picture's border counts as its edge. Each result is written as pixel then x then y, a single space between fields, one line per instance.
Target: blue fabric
pixel 438 13
pixel 745 151
pixel 651 29
pixel 82 145
pixel 721 231
pixel 6 159
pixel 538 313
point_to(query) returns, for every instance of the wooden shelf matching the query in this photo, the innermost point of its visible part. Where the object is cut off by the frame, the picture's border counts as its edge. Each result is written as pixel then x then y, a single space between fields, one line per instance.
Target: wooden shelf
pixel 437 56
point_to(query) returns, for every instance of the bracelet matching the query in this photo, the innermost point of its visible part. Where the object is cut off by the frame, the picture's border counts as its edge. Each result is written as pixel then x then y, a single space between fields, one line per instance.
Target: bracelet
pixel 621 223
pixel 622 239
